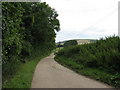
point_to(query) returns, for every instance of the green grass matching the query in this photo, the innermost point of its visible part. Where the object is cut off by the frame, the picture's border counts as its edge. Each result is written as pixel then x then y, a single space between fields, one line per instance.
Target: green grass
pixel 93 73
pixel 24 74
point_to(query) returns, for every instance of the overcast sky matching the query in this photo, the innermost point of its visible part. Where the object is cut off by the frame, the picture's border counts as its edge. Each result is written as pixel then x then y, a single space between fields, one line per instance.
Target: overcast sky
pixel 86 19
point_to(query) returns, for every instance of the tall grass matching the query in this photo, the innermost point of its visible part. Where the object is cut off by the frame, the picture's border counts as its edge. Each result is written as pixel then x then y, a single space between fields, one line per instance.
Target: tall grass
pixel 103 56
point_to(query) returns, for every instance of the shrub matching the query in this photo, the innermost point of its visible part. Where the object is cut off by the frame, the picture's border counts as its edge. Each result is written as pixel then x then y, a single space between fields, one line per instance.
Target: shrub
pixel 103 54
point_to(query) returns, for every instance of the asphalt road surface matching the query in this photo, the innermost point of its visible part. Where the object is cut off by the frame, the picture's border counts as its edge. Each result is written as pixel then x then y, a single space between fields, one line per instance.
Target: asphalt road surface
pixel 50 74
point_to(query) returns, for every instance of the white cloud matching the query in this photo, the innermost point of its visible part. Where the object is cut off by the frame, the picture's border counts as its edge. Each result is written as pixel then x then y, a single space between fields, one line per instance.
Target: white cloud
pixel 81 16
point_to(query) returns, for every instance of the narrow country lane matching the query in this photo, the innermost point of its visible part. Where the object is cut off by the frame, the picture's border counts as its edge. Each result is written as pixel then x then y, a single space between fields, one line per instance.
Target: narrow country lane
pixel 50 74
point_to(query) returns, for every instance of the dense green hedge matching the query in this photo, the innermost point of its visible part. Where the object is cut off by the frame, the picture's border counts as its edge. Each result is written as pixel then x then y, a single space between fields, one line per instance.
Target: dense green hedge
pixel 103 55
pixel 26 25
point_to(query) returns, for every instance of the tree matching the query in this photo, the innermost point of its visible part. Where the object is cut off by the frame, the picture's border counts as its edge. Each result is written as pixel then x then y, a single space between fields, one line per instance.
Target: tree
pixel 70 43
pixel 25 26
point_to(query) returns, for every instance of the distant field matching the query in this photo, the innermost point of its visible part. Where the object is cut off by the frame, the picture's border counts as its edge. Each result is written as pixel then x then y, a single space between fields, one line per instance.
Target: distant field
pixel 80 41
pixel 83 41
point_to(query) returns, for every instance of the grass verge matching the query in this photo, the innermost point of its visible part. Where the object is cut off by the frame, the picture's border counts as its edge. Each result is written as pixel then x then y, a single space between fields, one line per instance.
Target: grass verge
pixel 24 74
pixel 93 73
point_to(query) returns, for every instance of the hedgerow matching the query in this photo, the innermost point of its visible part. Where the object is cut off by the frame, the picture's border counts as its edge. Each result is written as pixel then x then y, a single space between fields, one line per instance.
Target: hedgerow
pixel 103 55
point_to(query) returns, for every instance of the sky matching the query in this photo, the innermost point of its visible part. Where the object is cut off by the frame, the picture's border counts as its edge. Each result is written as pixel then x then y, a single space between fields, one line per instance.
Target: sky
pixel 85 19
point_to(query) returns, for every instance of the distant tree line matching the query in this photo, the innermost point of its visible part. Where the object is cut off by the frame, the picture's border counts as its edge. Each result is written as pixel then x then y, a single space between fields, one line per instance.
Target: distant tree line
pixel 25 26
pixel 67 43
pixel 70 43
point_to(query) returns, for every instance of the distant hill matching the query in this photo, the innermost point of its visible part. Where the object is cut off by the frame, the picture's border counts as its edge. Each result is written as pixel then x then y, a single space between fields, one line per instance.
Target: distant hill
pixel 83 41
pixel 80 41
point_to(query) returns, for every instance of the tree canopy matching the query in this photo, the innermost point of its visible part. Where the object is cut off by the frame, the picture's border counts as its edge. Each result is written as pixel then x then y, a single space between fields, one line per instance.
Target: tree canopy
pixel 26 25
pixel 70 43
